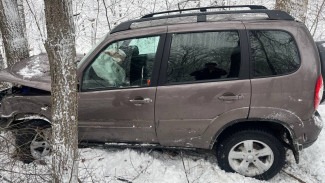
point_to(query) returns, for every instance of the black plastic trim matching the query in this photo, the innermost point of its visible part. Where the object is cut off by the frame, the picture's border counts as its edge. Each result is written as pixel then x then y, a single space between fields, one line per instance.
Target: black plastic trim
pixel 244 50
pixel 158 60
pixel 204 9
pixel 164 62
pixel 308 144
pixel 201 18
pixel 248 120
pixel 272 14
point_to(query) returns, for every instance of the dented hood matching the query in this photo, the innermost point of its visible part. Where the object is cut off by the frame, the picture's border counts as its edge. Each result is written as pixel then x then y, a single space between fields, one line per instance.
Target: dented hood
pixel 33 72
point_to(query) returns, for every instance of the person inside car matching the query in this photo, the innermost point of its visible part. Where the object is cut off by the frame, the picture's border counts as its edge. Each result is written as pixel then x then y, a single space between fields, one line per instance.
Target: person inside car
pixel 210 71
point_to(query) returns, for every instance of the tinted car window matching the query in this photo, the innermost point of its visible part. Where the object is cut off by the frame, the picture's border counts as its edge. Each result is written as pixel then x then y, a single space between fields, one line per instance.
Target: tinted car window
pixel 273 53
pixel 123 64
pixel 204 56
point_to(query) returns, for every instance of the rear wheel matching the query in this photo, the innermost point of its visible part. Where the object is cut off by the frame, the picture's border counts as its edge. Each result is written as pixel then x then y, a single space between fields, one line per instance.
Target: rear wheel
pixel 252 153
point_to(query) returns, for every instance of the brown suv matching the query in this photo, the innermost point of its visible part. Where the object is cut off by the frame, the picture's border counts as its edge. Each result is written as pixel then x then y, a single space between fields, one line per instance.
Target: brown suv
pixel 245 83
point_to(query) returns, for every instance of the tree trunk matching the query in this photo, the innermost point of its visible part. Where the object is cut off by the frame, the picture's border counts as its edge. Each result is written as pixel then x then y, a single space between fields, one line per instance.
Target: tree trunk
pixel 60 46
pixel 296 8
pixel 14 40
pixel 21 12
pixel 299 9
pixel 1 62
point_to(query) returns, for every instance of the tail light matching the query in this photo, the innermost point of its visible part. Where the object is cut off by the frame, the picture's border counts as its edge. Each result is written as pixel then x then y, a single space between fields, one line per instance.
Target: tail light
pixel 319 91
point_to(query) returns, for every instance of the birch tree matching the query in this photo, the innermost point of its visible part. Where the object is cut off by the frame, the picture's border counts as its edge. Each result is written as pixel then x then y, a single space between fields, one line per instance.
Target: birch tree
pixel 60 46
pixel 297 8
pixel 21 11
pixel 14 40
pixel 1 62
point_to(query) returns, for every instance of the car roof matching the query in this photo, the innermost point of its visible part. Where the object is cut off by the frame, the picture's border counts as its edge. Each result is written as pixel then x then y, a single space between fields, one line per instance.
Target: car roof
pixel 254 13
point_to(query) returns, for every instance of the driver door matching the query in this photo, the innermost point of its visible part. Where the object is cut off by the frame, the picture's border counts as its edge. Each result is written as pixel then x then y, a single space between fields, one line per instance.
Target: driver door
pixel 117 97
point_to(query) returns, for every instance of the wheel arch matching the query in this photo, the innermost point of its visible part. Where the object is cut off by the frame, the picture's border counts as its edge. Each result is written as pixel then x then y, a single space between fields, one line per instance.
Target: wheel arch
pixel 280 129
pixel 21 120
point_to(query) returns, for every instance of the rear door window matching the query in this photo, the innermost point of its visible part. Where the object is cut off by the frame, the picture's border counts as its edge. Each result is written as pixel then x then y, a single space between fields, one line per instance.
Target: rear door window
pixel 197 57
pixel 273 53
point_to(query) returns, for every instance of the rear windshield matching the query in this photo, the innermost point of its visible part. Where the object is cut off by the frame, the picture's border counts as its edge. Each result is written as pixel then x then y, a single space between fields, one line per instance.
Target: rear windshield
pixel 273 52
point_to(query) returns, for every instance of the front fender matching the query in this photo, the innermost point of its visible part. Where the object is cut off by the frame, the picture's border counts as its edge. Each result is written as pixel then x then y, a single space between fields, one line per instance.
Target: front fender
pixel 23 107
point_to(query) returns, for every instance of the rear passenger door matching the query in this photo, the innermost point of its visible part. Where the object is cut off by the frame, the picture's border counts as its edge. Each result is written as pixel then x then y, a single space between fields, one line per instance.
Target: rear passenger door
pixel 203 75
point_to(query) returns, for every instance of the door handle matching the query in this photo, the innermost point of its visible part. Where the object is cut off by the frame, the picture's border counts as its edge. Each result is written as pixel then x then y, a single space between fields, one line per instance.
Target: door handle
pixel 230 97
pixel 139 101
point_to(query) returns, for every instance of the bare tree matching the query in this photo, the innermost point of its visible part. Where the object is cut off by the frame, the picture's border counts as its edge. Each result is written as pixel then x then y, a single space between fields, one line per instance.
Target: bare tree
pixel 297 8
pixel 21 12
pixel 14 40
pixel 1 62
pixel 106 14
pixel 315 22
pixel 60 46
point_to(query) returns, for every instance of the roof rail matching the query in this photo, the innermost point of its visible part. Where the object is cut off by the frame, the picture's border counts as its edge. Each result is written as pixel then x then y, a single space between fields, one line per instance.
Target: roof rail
pixel 204 9
pixel 202 16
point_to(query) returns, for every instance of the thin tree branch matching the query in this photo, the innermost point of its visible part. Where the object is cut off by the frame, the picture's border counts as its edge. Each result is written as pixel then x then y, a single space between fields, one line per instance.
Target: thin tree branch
pixel 184 167
pixel 315 22
pixel 106 12
pixel 5 179
pixel 298 179
pixel 35 18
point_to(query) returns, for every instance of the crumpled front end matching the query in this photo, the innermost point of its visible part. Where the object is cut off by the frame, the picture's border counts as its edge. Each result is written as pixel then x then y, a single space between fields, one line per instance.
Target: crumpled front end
pixel 3 121
pixel 21 103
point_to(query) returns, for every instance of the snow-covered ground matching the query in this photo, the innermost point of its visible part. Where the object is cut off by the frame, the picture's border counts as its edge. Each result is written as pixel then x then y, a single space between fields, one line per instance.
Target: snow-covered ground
pixel 100 164
pixel 147 165
pixel 141 165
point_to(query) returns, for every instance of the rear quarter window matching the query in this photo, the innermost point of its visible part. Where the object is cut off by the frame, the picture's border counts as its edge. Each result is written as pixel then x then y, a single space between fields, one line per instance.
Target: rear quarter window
pixel 273 53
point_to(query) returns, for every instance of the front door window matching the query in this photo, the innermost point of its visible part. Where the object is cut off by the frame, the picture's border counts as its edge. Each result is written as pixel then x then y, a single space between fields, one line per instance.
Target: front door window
pixel 122 64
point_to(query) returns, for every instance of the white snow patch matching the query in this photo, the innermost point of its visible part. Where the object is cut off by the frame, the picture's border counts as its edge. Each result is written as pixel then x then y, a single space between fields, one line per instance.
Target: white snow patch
pixel 31 117
pixel 155 166
pixel 32 69
pixel 117 164
pixel 318 122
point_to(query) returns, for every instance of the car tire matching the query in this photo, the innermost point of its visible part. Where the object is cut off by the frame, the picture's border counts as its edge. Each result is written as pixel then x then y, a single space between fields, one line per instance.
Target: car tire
pixel 251 152
pixel 33 142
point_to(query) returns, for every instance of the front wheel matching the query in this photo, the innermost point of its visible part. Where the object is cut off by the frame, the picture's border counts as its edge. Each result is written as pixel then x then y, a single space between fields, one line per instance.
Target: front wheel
pixel 33 143
pixel 252 153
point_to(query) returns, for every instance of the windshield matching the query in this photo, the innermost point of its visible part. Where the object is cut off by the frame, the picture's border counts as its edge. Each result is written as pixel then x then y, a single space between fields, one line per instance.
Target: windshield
pixel 92 49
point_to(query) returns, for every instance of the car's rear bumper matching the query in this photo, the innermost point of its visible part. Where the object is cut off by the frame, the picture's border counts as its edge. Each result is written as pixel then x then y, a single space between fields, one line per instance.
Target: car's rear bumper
pixel 306 145
pixel 312 128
